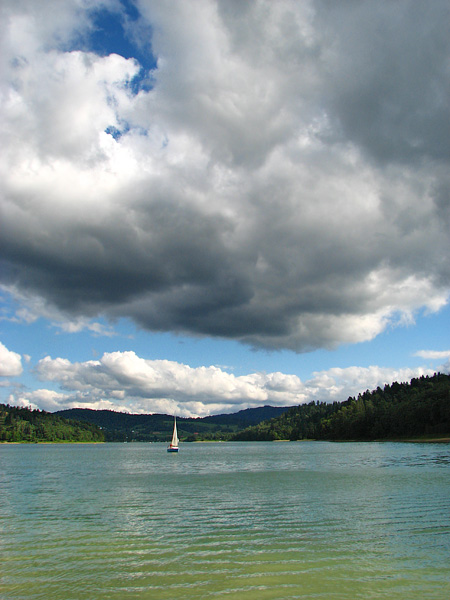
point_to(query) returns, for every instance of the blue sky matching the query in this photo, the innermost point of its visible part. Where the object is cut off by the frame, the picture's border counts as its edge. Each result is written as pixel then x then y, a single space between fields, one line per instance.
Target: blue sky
pixel 222 206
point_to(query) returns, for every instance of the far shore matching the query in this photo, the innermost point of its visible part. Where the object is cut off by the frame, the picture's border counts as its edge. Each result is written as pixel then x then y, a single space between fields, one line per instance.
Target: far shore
pixel 441 440
pixel 425 440
pixel 45 442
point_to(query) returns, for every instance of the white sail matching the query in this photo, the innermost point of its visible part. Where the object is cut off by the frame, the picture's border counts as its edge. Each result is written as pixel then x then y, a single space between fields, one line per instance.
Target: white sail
pixel 174 442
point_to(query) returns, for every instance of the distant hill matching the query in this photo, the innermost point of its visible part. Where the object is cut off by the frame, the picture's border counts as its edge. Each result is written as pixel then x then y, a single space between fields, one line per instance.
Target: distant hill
pixel 413 410
pixel 248 416
pixel 118 426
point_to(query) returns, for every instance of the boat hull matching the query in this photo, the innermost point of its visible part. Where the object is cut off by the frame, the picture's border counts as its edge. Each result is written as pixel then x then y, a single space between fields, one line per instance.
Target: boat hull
pixel 172 449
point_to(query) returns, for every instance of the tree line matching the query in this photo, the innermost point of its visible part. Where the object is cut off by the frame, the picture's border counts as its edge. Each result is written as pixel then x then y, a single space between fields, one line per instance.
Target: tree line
pixel 26 425
pixel 398 411
pixel 125 427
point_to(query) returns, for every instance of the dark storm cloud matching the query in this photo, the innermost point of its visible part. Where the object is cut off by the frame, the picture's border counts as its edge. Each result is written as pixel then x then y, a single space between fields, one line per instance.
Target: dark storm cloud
pixel 390 76
pixel 142 249
pixel 280 184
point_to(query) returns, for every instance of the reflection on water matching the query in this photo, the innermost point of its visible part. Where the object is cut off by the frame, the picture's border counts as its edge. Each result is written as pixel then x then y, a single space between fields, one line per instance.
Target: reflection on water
pixel 251 520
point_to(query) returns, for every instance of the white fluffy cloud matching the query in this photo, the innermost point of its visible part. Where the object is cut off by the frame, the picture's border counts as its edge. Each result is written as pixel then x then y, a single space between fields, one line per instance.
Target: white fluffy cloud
pixel 39 399
pixel 128 382
pixel 284 182
pixel 10 362
pixel 123 381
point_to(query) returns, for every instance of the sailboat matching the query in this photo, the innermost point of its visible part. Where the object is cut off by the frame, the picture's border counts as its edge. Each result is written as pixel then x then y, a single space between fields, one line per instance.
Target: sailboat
pixel 173 446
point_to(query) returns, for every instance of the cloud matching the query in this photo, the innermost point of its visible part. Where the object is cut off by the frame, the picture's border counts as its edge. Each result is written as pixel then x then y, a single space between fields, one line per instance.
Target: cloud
pixel 10 362
pixel 125 382
pixel 388 96
pixel 33 307
pixel 433 354
pixel 128 382
pixel 279 184
pixel 42 399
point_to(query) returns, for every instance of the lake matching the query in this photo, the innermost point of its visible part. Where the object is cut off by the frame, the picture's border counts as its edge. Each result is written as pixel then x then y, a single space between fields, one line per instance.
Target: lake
pixel 306 520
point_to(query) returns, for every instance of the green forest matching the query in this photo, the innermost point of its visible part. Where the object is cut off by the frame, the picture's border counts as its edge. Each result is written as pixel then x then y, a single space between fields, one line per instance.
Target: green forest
pixel 86 425
pixel 25 425
pixel 124 427
pixel 413 410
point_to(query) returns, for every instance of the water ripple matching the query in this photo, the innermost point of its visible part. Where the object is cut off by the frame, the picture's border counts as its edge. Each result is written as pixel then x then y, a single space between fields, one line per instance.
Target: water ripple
pixel 318 521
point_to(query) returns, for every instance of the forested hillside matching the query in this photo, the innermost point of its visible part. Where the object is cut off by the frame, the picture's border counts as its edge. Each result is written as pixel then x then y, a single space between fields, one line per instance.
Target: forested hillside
pixel 400 410
pixel 120 427
pixel 25 425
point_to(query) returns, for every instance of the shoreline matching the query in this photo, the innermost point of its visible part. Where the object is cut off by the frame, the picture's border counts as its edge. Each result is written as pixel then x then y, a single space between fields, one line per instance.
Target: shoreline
pixel 45 442
pixel 425 440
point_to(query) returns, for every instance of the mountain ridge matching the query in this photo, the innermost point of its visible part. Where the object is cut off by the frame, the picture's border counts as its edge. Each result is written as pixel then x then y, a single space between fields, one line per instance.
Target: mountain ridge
pixel 120 426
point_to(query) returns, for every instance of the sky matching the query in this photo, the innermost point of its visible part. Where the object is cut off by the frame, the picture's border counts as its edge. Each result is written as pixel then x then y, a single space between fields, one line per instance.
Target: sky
pixel 215 205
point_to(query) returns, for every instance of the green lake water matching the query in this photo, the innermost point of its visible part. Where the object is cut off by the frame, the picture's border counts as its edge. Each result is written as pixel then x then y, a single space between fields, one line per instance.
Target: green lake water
pixel 309 520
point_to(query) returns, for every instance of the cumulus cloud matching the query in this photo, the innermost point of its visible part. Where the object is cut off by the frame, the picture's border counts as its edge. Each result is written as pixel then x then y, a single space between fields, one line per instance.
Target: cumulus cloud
pixel 10 362
pixel 128 382
pixel 125 382
pixel 284 182
pixel 42 399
